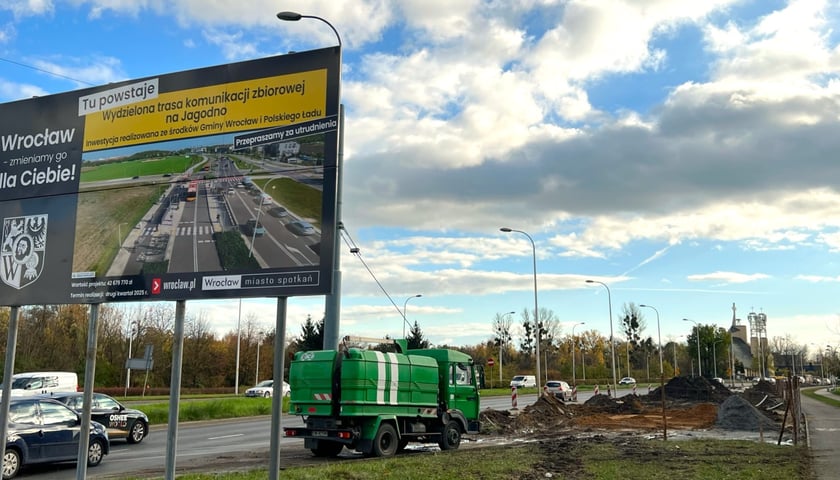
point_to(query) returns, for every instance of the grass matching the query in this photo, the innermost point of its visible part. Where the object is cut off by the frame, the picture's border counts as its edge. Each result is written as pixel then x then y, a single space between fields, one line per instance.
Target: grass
pixel 812 393
pixel 137 167
pixel 299 198
pixel 211 409
pixel 567 458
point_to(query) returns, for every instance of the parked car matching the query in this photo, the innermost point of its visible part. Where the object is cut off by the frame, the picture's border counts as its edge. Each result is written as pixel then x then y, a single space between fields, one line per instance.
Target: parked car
pixel 266 389
pixel 627 381
pixel 299 227
pixel 42 430
pixel 559 389
pixel 119 420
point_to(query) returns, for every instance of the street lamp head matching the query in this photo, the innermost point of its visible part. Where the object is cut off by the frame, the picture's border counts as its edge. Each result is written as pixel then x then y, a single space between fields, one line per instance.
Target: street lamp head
pixel 643 305
pixel 590 281
pixel 289 16
pixel 418 295
pixel 506 229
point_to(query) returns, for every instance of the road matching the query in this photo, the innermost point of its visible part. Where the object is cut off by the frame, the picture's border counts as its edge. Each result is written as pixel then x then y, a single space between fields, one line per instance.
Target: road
pixel 203 444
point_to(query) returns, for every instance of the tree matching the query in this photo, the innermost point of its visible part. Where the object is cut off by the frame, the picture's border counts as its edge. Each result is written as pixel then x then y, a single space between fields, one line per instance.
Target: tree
pixel 632 324
pixel 311 335
pixel 415 338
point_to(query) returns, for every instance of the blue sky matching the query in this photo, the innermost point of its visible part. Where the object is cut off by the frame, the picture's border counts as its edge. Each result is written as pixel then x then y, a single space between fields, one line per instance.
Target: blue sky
pixel 682 152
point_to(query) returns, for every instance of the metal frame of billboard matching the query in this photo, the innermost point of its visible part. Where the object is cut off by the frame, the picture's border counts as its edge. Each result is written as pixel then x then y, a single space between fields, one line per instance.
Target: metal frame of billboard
pixel 88 217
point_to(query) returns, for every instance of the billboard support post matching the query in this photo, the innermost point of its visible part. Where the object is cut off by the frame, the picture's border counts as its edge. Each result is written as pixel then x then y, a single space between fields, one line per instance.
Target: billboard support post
pixel 332 301
pixel 87 397
pixel 8 370
pixel 277 400
pixel 175 389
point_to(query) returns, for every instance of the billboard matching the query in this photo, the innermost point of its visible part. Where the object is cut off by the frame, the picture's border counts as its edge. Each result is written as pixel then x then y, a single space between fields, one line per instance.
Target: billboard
pixel 218 182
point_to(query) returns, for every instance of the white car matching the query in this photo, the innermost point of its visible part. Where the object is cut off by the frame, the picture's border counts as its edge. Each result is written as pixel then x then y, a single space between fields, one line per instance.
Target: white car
pixel 559 389
pixel 266 389
pixel 627 381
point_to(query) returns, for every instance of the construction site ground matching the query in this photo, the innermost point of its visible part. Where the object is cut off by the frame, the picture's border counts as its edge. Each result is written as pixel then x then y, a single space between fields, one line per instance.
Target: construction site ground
pixel 694 408
pixel 690 404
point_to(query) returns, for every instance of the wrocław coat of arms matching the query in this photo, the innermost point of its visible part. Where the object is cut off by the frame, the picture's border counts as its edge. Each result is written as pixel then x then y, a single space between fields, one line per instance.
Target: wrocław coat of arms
pixel 23 248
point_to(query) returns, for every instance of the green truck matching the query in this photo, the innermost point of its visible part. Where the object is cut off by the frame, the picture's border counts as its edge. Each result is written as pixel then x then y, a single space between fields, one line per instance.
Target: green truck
pixel 377 402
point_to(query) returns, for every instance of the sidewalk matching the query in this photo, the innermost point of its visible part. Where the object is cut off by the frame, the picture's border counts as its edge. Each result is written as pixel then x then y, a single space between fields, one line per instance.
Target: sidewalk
pixel 823 434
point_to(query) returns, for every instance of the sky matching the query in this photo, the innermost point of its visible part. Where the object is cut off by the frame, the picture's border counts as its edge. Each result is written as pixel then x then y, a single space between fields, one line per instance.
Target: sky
pixel 682 153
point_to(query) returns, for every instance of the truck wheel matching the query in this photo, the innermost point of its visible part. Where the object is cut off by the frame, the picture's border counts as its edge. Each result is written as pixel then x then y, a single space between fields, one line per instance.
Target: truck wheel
pixel 326 448
pixel 450 438
pixel 385 442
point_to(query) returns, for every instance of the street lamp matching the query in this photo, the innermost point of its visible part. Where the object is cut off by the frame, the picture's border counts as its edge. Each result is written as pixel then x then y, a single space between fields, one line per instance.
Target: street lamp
pixel 661 373
pixel 502 343
pixel 130 338
pixel 714 356
pixel 332 303
pixel 405 305
pixel 697 326
pixel 259 211
pixel 573 351
pixel 659 334
pixel 257 372
pixel 612 340
pixel 536 305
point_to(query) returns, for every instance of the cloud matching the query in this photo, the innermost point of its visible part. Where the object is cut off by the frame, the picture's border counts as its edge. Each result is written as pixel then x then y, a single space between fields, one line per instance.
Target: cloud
pixel 727 277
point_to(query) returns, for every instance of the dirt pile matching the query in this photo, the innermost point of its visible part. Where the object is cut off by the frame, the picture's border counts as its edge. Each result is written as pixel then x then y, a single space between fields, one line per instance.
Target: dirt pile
pixel 736 413
pixel 691 388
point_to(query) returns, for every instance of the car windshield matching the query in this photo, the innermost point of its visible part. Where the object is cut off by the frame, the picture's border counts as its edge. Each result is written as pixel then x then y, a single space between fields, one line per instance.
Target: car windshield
pixel 24 382
pixel 265 383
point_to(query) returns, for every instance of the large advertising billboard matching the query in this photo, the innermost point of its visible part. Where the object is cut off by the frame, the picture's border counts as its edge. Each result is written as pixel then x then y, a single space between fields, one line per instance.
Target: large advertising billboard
pixel 211 183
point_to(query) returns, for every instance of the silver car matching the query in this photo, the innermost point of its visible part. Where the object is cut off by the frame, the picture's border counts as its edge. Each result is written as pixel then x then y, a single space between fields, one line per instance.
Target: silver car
pixel 559 389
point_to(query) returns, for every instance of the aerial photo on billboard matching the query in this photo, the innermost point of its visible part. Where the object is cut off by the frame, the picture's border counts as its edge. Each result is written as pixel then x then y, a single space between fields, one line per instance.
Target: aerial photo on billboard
pixel 210 183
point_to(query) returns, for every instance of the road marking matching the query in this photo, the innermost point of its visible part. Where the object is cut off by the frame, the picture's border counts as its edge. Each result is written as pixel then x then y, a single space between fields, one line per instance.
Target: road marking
pixel 226 436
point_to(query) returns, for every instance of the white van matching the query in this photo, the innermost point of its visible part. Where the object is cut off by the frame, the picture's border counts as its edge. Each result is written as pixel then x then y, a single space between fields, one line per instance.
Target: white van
pixel 35 383
pixel 520 381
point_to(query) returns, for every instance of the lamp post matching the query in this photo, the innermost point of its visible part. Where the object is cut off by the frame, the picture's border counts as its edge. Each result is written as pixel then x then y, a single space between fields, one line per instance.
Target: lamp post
pixel 238 342
pixel 405 305
pixel 130 338
pixel 536 305
pixel 257 221
pixel 583 361
pixel 714 355
pixel 661 372
pixel 574 383
pixel 502 344
pixel 731 361
pixel 332 302
pixel 659 335
pixel 612 339
pixel 257 372
pixel 697 327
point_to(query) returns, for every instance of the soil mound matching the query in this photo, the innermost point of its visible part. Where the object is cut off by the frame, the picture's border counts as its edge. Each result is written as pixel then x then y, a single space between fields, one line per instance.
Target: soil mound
pixel 736 413
pixel 691 388
pixel 546 412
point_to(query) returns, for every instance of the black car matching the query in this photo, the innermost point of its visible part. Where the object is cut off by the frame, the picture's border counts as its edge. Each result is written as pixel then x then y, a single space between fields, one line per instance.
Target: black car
pixel 121 422
pixel 42 430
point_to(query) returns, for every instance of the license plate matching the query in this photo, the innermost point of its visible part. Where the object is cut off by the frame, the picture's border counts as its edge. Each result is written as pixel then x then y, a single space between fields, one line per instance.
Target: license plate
pixel 319 433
